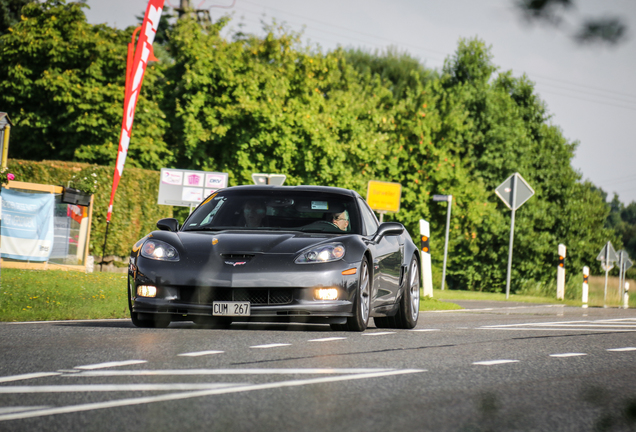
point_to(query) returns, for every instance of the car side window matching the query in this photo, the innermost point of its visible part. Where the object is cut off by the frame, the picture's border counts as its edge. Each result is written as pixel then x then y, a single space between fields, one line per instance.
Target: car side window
pixel 370 221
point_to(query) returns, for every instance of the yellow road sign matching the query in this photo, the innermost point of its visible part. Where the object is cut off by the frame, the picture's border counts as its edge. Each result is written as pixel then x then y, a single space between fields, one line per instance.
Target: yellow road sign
pixel 384 196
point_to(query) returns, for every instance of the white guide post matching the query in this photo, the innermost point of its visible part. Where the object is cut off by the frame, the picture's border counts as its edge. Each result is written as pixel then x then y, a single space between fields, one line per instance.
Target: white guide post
pixel 626 296
pixel 586 289
pixel 560 295
pixel 425 253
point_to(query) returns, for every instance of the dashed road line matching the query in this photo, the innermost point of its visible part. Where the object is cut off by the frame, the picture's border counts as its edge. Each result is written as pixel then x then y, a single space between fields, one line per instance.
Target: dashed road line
pixel 200 353
pixel 329 339
pixel 110 364
pixel 494 362
pixel 568 355
pixel 622 349
pixel 378 333
pixel 274 345
pixel 425 330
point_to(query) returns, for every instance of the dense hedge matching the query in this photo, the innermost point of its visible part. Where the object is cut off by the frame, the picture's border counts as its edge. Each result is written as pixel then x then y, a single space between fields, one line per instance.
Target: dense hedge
pixel 135 210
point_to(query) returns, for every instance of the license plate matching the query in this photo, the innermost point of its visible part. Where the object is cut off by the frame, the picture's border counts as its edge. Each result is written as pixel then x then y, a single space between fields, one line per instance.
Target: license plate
pixel 231 309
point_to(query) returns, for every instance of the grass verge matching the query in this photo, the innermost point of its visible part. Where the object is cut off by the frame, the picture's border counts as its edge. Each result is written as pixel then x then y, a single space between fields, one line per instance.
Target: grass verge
pixel 46 295
pixel 476 295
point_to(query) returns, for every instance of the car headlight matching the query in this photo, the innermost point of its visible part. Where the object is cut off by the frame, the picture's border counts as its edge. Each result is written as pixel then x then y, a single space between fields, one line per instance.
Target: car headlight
pixel 159 250
pixel 323 253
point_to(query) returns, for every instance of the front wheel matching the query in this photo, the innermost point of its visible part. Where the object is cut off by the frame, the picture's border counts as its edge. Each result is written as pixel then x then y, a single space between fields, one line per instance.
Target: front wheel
pixel 144 320
pixel 362 303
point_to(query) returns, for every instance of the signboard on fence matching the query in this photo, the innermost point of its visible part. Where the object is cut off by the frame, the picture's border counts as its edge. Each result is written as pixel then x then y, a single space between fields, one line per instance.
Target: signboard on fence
pixel 27 225
pixel 187 188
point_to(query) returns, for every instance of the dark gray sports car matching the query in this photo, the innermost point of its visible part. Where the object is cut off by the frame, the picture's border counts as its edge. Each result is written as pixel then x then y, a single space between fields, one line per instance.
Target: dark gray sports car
pixel 276 253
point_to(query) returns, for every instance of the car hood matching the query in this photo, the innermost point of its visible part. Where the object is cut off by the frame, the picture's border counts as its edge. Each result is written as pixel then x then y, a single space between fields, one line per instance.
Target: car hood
pixel 248 242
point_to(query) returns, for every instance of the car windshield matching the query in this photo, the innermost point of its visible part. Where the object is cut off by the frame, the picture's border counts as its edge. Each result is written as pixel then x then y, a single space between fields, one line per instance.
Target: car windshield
pixel 276 209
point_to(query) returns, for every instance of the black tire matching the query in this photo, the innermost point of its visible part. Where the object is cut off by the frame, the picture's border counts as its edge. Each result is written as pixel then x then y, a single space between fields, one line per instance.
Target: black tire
pixel 362 303
pixel 147 321
pixel 409 311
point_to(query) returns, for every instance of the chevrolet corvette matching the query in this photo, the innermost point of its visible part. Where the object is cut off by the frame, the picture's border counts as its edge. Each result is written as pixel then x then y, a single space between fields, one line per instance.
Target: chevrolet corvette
pixel 308 254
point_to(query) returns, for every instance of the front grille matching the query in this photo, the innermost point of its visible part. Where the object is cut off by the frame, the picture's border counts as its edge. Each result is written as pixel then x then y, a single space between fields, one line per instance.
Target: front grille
pixel 256 296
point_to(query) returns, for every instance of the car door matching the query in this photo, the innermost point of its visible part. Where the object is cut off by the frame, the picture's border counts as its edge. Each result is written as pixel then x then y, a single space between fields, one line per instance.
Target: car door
pixel 387 261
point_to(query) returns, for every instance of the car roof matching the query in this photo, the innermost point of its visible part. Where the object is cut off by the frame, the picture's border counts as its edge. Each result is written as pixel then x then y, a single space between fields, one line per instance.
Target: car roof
pixel 323 189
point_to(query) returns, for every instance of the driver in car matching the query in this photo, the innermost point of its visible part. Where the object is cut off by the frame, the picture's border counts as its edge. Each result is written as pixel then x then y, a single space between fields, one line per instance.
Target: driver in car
pixel 254 212
pixel 341 220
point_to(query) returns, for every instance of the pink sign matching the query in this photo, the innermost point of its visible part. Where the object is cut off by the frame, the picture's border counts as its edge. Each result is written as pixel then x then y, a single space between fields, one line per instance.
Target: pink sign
pixel 216 181
pixel 193 180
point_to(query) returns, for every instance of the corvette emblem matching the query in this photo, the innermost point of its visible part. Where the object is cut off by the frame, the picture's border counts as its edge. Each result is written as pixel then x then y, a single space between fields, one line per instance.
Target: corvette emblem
pixel 235 263
pixel 215 241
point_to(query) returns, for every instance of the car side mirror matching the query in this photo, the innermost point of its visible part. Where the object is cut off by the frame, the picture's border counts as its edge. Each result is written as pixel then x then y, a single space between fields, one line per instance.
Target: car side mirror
pixel 388 229
pixel 168 224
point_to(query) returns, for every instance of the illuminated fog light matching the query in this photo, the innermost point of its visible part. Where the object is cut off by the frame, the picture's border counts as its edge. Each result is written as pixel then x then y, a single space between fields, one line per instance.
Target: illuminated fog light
pixel 146 291
pixel 326 294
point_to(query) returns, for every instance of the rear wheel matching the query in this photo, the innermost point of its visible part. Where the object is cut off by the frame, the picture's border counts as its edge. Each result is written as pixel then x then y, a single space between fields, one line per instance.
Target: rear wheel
pixel 409 311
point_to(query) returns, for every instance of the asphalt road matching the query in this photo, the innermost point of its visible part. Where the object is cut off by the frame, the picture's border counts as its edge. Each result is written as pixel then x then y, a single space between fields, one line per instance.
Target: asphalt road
pixel 491 367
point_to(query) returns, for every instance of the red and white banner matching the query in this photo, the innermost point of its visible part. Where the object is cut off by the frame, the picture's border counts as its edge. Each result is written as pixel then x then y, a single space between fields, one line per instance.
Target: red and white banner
pixel 134 79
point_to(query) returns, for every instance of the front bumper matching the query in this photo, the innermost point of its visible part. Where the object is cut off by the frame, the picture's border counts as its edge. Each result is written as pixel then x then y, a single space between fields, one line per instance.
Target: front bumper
pixel 276 292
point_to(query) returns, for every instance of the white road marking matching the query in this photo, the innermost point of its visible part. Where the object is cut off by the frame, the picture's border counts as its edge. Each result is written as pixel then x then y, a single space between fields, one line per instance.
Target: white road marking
pixel 562 329
pixel 622 349
pixel 498 309
pixel 274 345
pixel 110 364
pixel 568 355
pixel 494 362
pixel 614 325
pixel 329 339
pixel 378 333
pixel 201 393
pixel 425 330
pixel 17 409
pixel 28 376
pixel 112 388
pixel 181 372
pixel 200 353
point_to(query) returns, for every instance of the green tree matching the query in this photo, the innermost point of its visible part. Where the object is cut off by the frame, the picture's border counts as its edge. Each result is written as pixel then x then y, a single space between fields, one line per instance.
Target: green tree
pixel 511 132
pixel 10 13
pixel 62 81
pixel 463 133
pixel 267 105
